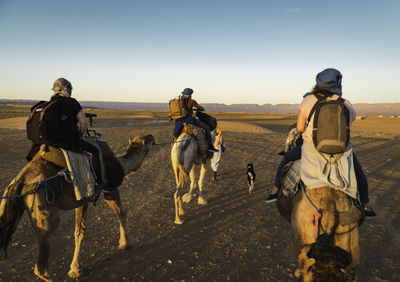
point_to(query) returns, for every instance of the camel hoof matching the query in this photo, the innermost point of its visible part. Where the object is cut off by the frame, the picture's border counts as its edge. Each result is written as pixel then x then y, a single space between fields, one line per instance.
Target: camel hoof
pixel 186 198
pixel 202 201
pixel 74 274
pixel 179 221
pixel 297 273
pixel 123 246
pixel 44 277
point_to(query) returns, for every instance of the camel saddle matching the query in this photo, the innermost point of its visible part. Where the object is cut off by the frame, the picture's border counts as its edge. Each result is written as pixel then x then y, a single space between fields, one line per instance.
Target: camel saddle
pixel 78 164
pixel 199 135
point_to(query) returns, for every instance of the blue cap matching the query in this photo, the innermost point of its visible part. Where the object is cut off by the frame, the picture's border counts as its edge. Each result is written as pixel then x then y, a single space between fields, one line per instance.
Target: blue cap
pixel 187 91
pixel 331 80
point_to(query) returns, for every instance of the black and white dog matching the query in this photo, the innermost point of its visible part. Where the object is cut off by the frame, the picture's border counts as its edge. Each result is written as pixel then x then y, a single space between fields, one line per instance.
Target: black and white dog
pixel 251 177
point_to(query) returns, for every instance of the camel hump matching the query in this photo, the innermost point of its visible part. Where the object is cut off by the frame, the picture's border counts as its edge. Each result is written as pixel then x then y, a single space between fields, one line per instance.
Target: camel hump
pixel 188 129
pixel 52 154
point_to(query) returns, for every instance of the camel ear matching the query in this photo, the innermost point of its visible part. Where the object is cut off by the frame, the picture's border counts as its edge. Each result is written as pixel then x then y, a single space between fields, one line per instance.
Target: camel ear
pixel 130 140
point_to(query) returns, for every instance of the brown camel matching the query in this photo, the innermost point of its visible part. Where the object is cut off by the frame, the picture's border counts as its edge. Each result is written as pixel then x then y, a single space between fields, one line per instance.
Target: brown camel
pixel 325 233
pixel 44 216
pixel 185 155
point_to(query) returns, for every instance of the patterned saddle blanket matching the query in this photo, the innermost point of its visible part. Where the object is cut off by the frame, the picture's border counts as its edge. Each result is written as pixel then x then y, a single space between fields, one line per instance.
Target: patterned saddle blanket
pixel 290 186
pixel 291 178
pixel 79 165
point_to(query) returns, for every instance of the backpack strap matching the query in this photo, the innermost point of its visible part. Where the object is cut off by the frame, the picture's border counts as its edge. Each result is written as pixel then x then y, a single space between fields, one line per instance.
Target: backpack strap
pixel 33 111
pixel 320 98
pixel 44 110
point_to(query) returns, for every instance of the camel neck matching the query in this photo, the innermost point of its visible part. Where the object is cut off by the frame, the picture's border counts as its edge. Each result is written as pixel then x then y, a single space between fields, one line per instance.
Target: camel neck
pixel 132 162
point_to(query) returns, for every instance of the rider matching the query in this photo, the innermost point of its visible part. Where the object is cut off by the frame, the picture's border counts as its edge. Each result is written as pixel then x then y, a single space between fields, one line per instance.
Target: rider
pixel 328 84
pixel 191 119
pixel 72 127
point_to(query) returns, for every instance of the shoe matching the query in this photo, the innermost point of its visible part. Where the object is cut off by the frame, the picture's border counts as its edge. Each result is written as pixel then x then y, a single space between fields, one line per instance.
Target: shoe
pixel 272 198
pixel 212 149
pixel 282 153
pixel 369 212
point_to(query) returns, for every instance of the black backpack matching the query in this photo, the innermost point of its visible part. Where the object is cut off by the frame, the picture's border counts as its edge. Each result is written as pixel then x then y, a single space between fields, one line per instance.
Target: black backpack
pixel 43 124
pixel 331 126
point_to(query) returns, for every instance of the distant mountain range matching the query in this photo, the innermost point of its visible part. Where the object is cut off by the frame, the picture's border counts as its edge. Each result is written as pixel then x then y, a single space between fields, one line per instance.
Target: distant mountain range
pixel 361 108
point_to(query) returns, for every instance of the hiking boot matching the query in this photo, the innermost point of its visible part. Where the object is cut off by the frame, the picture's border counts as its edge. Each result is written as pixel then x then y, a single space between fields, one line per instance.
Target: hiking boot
pixel 369 212
pixel 271 198
pixel 212 149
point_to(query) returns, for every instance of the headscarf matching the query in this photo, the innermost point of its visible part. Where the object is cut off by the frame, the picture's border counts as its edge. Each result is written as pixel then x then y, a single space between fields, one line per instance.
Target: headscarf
pixel 187 91
pixel 63 87
pixel 330 80
pixel 219 137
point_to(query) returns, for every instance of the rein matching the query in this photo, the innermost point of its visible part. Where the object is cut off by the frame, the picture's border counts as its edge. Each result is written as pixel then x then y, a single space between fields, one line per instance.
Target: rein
pixel 169 143
pixel 316 215
pixel 50 195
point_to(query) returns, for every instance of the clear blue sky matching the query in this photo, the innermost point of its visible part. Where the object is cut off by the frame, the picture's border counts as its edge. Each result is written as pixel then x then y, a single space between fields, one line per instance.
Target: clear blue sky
pixel 227 51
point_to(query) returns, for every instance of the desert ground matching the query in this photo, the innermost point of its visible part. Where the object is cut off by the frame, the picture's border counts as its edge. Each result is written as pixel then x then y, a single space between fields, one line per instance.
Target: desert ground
pixel 235 237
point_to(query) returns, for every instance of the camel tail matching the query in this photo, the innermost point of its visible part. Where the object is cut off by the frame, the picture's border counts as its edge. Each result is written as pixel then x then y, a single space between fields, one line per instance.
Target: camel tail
pixel 11 210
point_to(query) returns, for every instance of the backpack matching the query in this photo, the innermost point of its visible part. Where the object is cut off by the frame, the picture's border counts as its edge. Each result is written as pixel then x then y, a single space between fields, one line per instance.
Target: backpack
pixel 331 126
pixel 43 125
pixel 178 108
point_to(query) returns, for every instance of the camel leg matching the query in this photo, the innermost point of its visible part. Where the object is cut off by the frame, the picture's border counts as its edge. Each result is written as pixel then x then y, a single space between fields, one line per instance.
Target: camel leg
pixel 44 221
pixel 116 206
pixel 187 197
pixel 178 204
pixel 80 226
pixel 202 200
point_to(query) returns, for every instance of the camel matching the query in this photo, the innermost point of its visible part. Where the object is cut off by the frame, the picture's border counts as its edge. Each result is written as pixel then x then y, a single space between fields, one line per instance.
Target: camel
pixel 324 223
pixel 185 155
pixel 44 201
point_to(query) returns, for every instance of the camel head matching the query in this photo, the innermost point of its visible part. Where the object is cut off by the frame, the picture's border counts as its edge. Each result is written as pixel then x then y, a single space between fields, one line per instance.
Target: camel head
pixel 139 142
pixel 323 261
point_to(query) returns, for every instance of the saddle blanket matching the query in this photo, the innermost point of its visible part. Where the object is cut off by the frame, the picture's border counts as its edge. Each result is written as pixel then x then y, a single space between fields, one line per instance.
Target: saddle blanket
pixel 80 167
pixel 291 178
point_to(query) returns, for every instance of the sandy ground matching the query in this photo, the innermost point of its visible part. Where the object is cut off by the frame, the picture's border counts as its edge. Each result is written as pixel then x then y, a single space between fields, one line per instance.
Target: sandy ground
pixel 235 237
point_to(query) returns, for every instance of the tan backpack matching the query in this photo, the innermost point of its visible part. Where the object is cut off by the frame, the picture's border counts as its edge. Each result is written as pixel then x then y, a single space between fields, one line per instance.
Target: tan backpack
pixel 177 108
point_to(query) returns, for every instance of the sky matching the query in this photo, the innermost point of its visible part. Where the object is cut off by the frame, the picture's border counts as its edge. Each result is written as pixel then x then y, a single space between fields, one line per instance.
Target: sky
pixel 231 52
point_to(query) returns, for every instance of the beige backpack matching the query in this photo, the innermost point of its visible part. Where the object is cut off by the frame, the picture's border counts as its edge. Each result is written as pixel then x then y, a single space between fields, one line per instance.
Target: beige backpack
pixel 177 108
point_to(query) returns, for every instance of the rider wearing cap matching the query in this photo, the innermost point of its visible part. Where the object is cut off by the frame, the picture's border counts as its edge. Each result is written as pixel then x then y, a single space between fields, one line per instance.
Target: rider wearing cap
pixel 329 84
pixel 72 126
pixel 191 119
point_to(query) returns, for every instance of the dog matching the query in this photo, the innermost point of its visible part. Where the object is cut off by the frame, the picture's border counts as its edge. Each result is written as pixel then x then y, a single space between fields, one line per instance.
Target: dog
pixel 251 177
